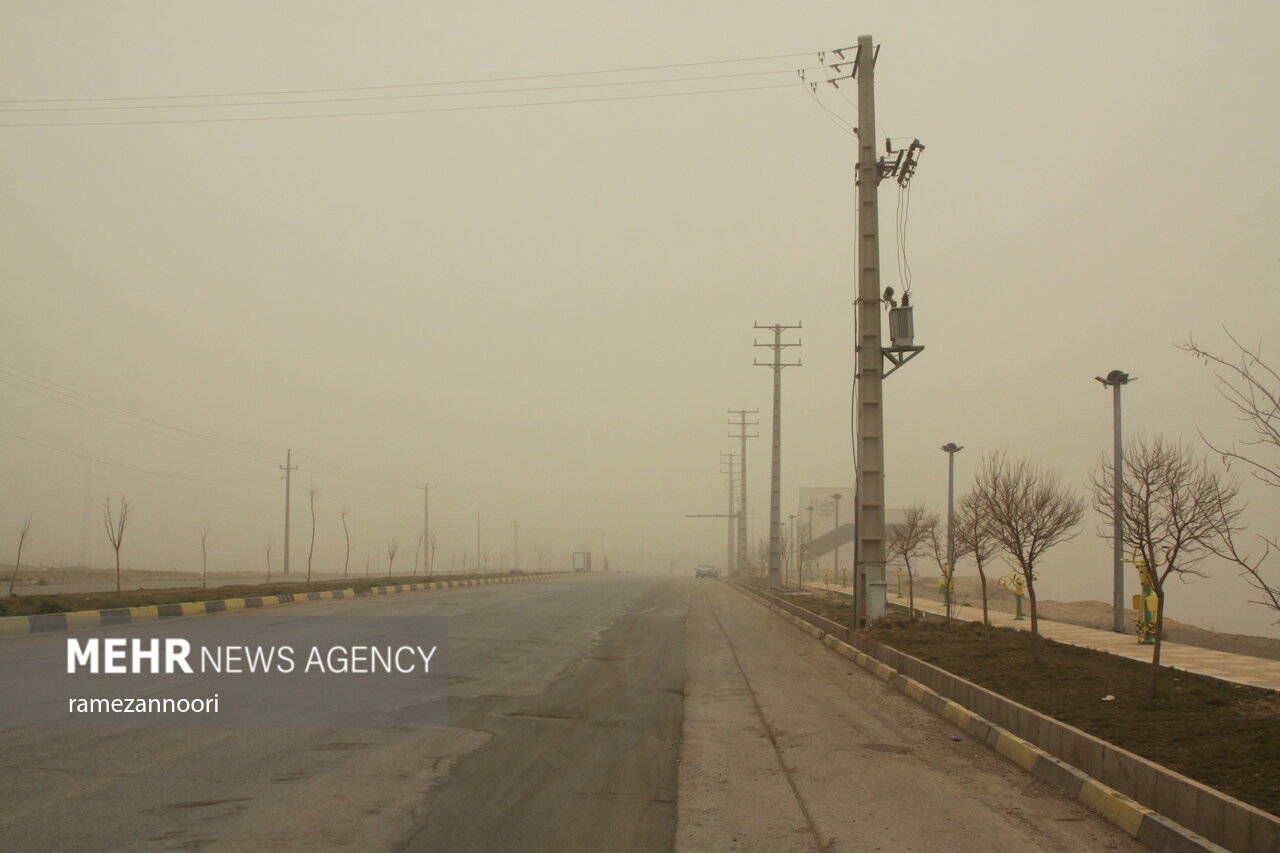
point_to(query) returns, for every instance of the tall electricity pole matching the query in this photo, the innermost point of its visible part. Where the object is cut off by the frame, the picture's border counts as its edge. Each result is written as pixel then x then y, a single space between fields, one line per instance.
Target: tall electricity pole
pixel 729 561
pixel 477 539
pixel 288 469
pixel 742 425
pixel 515 530
pixel 775 484
pixel 426 523
pixel 869 553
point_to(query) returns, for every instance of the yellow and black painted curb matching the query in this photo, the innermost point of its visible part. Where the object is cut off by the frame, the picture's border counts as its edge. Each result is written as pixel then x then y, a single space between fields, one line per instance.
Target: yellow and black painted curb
pixel 12 626
pixel 1144 824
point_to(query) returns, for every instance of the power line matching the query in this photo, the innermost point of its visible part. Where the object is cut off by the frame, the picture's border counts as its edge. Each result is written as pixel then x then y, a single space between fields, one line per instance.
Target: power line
pixel 410 85
pixel 396 112
pixel 125 467
pixel 358 505
pixel 80 401
pixel 834 117
pixel 74 399
pixel 369 98
pixel 109 417
pixel 351 476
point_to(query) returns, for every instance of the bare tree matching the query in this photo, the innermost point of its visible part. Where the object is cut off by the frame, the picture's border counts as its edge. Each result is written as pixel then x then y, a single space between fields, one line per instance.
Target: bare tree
pixel 1029 510
pixel 1252 388
pixel 1174 509
pixel 908 540
pixel 313 492
pixel 973 538
pixel 392 547
pixel 346 563
pixel 204 558
pixel 270 539
pixel 431 554
pixel 417 553
pixel 116 524
pixel 938 550
pixel 368 564
pixel 23 535
pixel 760 561
pixel 1229 532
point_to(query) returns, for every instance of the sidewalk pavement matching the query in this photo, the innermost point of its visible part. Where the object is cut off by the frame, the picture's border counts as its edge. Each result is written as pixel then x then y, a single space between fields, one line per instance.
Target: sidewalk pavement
pixel 1242 669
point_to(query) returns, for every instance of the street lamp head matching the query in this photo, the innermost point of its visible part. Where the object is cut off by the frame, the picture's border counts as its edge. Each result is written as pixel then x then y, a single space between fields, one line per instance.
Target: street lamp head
pixel 837 496
pixel 1116 377
pixel 951 447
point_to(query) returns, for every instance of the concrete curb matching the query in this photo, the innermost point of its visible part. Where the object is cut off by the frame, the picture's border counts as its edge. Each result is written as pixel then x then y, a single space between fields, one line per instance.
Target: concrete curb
pixel 15 626
pixel 1137 820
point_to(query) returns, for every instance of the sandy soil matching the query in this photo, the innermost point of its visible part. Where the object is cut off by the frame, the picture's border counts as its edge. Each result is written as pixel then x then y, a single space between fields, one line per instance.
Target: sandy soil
pixel 1097 614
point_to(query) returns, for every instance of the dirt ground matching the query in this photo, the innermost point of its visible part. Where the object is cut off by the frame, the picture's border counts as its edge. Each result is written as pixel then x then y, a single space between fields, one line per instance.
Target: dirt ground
pixel 1097 614
pixel 1224 735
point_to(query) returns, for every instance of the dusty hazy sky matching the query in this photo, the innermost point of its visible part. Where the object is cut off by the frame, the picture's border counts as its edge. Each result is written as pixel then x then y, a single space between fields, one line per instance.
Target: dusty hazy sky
pixel 547 310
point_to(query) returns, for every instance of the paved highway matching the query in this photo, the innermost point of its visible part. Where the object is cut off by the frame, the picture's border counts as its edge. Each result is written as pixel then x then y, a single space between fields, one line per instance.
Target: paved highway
pixel 585 714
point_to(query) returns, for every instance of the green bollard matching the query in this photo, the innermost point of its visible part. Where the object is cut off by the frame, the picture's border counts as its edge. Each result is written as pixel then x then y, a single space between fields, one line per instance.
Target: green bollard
pixel 1018 617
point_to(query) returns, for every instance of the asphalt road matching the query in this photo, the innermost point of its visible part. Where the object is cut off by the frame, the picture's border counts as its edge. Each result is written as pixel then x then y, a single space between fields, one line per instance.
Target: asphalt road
pixel 585 714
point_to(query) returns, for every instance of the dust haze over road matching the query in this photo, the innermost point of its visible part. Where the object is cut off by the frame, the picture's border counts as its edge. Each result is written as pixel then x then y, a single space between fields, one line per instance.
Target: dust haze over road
pixel 546 310
pixel 585 713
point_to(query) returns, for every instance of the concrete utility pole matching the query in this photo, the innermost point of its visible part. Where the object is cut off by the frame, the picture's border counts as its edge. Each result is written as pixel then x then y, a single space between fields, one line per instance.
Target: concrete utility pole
pixel 477 539
pixel 515 530
pixel 951 450
pixel 1115 380
pixel 742 425
pixel 288 469
pixel 729 561
pixel 869 548
pixel 775 482
pixel 426 522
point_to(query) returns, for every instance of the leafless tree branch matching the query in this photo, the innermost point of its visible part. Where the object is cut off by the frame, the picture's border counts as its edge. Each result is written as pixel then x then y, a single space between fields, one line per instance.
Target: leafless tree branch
pixel 1252 388
pixel 1028 510
pixel 909 540
pixel 23 535
pixel 116 523
pixel 973 538
pixel 1175 509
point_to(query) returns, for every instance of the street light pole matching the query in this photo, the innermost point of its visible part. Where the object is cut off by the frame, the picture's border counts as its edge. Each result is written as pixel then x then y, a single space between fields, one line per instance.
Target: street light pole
pixel 808 545
pixel 795 553
pixel 951 450
pixel 1115 379
pixel 836 532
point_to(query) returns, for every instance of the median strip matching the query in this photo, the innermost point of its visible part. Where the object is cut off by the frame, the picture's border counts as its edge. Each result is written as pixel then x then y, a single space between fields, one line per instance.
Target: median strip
pixel 12 626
